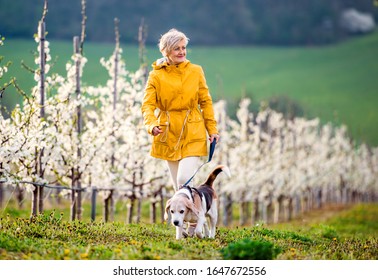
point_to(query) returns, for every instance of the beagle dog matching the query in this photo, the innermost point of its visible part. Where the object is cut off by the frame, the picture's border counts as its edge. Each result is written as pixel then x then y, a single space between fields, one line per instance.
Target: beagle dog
pixel 193 205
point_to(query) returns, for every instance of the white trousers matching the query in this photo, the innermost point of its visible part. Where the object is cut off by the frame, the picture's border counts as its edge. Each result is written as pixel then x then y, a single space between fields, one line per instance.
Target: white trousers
pixel 182 170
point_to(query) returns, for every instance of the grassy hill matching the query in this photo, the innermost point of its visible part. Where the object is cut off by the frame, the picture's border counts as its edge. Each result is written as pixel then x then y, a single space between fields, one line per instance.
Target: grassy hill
pixel 336 83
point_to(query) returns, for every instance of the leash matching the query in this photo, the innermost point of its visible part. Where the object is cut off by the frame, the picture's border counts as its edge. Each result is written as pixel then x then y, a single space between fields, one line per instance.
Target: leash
pixel 211 153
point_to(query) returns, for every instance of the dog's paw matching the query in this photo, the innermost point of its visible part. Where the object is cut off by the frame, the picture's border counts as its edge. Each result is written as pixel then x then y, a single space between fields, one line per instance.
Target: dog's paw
pixel 185 234
pixel 199 234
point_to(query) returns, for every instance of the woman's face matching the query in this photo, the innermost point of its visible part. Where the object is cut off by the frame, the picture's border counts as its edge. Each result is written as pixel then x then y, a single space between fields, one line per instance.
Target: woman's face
pixel 178 53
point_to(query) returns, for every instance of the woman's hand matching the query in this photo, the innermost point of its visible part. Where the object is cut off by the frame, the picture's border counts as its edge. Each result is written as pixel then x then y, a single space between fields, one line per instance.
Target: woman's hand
pixel 156 131
pixel 214 136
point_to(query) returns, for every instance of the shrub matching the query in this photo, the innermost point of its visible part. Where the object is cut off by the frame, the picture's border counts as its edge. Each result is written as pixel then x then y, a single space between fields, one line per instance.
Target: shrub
pixel 247 249
pixel 328 232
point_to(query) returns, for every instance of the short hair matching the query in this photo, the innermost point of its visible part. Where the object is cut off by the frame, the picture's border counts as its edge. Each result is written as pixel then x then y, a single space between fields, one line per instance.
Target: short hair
pixel 170 39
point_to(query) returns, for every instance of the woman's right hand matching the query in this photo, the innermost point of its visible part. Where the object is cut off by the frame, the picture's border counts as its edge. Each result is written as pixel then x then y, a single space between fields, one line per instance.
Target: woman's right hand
pixel 156 131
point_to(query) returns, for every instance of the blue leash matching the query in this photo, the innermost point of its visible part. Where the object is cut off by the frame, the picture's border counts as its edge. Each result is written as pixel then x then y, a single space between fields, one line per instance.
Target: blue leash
pixel 211 153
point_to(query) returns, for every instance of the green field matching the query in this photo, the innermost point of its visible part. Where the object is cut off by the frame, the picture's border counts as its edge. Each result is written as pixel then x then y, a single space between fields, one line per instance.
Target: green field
pixel 348 233
pixel 337 83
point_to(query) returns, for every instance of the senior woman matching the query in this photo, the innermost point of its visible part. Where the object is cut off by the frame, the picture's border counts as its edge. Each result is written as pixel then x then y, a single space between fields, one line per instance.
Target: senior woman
pixel 185 117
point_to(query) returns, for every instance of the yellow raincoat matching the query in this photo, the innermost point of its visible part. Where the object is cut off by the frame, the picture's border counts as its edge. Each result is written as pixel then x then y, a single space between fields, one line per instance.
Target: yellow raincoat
pixel 185 110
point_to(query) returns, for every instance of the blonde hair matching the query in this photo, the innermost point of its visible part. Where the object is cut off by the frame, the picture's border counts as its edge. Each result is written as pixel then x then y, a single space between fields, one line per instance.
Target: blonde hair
pixel 169 40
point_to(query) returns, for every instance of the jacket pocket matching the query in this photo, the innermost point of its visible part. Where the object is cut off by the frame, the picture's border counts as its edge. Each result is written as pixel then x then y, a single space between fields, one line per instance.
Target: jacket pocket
pixel 196 130
pixel 162 137
pixel 164 126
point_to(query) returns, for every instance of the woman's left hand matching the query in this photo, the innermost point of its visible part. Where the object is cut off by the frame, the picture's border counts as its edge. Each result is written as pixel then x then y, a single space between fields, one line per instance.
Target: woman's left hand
pixel 214 136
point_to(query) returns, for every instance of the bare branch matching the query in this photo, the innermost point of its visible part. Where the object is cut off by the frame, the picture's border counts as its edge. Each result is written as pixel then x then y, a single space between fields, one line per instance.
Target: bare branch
pixel 142 36
pixel 83 25
pixel 45 9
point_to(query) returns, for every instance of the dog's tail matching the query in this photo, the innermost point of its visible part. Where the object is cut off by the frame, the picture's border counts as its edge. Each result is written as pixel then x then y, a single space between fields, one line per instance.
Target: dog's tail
pixel 215 173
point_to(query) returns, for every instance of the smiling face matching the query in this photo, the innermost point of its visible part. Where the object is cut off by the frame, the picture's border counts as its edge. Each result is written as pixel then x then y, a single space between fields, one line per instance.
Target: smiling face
pixel 178 53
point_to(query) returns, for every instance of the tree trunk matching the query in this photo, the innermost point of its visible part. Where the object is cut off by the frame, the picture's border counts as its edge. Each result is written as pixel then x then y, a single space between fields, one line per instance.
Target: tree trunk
pixel 287 209
pixel 130 210
pixel 42 106
pixel 108 207
pixel 243 209
pixel 73 205
pixel 162 206
pixel 264 211
pixel 40 199
pixel 93 204
pixel 255 212
pixel 34 204
pixel 79 201
pixel 139 210
pixel 297 205
pixel 304 203
pixel 279 209
pixel 1 195
pixel 76 43
pixel 73 195
pixel 153 211
pixel 270 213
pixel 57 197
pixel 276 210
pixel 106 210
pixel 20 196
pixel 227 209
pixel 319 198
pixel 1 187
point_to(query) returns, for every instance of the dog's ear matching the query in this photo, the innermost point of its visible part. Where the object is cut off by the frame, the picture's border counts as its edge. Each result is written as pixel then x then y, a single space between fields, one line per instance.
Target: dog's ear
pixel 190 205
pixel 167 207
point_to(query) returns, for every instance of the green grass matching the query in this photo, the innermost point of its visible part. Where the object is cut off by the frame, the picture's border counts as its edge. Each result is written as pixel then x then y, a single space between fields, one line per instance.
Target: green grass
pixel 13 209
pixel 350 234
pixel 336 83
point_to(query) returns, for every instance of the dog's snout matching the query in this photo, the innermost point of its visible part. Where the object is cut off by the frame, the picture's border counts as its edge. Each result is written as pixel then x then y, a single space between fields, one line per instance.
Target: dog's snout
pixel 176 223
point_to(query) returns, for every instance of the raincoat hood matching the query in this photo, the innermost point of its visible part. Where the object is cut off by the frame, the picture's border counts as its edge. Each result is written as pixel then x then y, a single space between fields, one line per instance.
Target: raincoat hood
pixel 163 63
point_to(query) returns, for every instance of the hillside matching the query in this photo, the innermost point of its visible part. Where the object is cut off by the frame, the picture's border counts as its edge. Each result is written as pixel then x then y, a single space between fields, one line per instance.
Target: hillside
pixel 336 83
pixel 289 22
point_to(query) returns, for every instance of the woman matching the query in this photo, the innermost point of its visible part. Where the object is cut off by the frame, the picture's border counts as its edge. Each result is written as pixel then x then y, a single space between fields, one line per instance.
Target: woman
pixel 178 89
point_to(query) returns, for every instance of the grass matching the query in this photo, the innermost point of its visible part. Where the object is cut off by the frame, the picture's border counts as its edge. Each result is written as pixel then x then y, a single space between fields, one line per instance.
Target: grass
pixel 336 83
pixel 349 234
